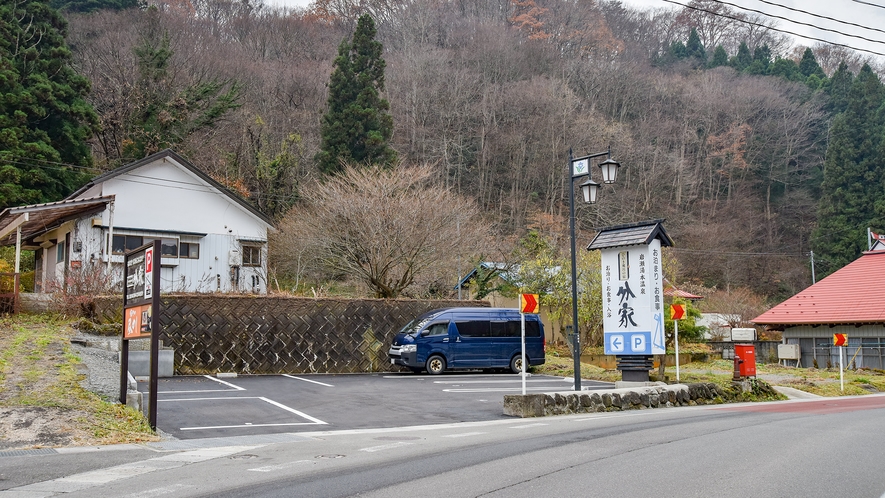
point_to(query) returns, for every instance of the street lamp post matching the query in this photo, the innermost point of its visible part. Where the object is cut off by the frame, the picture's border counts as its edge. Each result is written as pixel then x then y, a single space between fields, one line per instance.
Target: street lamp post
pixel 580 168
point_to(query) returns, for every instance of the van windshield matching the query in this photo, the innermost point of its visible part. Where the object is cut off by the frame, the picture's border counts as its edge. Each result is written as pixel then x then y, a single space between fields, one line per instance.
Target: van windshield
pixel 415 326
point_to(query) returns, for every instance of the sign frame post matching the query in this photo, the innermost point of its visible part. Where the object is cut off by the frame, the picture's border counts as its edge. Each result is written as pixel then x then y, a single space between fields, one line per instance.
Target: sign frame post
pixel 841 341
pixel 677 311
pixel 528 303
pixel 141 316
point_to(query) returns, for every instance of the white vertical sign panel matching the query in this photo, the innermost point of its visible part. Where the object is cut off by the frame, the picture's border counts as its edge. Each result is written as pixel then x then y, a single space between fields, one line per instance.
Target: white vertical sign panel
pixel 633 300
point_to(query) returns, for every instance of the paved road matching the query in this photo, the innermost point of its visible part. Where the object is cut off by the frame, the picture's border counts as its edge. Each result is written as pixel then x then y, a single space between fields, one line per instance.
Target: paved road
pixel 827 447
pixel 199 407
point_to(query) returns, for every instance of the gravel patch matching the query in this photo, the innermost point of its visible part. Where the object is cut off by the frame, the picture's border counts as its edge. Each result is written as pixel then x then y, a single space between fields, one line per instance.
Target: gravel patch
pixel 101 367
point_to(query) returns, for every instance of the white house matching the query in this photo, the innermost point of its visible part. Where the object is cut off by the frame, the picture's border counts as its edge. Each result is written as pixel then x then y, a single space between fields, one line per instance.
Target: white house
pixel 212 240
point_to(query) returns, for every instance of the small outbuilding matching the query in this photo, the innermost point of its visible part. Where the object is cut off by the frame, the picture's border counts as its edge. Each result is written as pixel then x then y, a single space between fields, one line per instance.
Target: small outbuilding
pixel 850 301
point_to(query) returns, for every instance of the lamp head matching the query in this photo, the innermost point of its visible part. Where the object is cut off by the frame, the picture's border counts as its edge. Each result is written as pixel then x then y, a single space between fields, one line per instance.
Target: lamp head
pixel 609 169
pixel 590 189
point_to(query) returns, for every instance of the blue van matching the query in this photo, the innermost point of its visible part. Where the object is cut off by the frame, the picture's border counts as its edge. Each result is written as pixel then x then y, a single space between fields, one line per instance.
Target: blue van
pixel 458 338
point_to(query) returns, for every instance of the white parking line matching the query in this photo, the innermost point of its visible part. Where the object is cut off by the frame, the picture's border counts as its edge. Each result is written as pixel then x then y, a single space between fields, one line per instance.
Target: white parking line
pixel 313 420
pixel 508 381
pixel 238 388
pixel 296 412
pixel 307 380
pixel 496 390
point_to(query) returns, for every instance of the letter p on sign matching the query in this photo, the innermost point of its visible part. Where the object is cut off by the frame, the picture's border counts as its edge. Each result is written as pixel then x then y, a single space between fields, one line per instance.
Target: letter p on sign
pixel 528 303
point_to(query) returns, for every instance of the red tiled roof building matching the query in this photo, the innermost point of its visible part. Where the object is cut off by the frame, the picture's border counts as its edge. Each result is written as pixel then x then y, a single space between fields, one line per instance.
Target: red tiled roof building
pixel 850 301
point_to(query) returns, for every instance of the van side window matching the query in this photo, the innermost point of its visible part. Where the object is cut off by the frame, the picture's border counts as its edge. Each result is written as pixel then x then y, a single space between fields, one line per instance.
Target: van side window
pixel 506 329
pixel 514 329
pixel 532 329
pixel 438 329
pixel 479 328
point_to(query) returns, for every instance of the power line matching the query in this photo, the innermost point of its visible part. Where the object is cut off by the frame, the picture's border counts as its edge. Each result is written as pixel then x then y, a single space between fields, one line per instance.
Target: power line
pixel 823 17
pixel 775 29
pixel 733 253
pixel 800 22
pixel 868 3
pixel 199 187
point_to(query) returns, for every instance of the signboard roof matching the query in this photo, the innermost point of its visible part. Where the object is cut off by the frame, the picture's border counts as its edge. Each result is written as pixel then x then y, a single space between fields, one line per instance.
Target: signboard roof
pixel 640 233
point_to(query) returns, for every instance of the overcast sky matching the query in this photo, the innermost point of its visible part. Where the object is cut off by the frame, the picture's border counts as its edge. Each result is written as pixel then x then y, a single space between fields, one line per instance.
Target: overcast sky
pixel 859 12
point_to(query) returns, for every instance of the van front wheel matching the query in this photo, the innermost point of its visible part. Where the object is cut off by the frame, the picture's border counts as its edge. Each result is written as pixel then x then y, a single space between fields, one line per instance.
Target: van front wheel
pixel 436 364
pixel 516 364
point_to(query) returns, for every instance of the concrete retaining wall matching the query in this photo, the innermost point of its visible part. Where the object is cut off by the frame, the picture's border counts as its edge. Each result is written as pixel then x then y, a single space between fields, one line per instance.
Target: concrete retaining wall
pixel 633 398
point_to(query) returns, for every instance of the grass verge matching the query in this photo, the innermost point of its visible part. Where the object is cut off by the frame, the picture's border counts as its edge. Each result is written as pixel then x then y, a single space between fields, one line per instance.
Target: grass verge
pixel 822 382
pixel 40 379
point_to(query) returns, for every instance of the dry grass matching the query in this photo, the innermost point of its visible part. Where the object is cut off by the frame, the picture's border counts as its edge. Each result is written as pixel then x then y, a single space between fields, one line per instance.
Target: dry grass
pixel 823 382
pixel 41 400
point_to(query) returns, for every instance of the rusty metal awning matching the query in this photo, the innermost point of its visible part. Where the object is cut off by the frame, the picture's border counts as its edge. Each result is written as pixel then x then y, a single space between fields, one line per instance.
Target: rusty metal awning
pixel 37 219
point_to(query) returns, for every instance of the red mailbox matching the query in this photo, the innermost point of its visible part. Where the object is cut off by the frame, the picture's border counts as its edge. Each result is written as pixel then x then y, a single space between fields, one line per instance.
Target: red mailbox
pixel 747 355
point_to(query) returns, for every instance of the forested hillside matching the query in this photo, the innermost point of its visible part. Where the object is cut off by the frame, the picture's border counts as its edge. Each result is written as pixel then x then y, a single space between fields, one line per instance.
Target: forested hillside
pixel 723 128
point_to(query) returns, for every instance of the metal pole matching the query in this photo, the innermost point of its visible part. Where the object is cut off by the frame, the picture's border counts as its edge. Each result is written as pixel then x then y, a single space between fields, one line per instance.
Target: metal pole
pixel 812 268
pixel 524 359
pixel 155 335
pixel 676 341
pixel 575 332
pixel 841 362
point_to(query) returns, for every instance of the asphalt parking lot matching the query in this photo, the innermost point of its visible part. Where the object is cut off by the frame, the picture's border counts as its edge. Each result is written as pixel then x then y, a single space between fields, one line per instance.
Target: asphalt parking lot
pixel 191 407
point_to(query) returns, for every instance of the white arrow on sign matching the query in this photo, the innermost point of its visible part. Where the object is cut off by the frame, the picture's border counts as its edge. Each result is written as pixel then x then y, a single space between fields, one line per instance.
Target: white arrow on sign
pixel 616 343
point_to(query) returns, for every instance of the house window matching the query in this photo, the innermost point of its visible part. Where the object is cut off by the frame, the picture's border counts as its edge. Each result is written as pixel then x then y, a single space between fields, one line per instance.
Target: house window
pixel 189 250
pixel 251 256
pixel 124 243
pixel 60 253
pixel 169 248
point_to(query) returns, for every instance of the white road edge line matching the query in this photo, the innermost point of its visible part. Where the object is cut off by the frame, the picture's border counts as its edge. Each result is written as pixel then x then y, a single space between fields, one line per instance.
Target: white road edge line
pixel 243 426
pixel 307 380
pixel 465 434
pixel 385 447
pixel 281 466
pixel 526 426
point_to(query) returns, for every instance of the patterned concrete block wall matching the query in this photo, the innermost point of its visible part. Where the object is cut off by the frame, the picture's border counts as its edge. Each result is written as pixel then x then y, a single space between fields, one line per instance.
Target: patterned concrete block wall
pixel 273 335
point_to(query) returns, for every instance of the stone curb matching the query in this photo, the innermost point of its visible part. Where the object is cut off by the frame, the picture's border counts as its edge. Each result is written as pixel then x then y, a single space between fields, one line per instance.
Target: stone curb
pixel 634 398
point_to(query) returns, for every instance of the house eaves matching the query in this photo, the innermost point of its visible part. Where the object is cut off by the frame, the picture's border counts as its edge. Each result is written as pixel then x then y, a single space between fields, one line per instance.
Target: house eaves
pixel 169 153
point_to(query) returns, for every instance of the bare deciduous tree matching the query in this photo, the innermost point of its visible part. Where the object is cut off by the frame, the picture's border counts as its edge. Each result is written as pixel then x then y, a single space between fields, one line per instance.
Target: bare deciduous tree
pixel 385 228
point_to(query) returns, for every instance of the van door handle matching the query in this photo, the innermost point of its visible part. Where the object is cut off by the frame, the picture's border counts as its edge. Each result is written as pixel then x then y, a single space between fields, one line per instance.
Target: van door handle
pixel 446 339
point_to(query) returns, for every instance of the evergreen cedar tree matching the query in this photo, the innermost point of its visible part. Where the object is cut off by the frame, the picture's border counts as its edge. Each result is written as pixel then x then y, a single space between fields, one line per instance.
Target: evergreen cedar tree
pixel 852 194
pixel 86 6
pixel 165 115
pixel 44 117
pixel 357 126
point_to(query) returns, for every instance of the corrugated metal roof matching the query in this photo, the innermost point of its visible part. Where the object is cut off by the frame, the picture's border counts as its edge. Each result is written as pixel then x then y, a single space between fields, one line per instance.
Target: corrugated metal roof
pixel 631 234
pixel 48 216
pixel 852 295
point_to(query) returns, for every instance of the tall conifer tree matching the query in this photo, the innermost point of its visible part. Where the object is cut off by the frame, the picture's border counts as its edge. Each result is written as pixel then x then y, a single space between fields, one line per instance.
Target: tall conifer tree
pixel 357 127
pixel 853 172
pixel 44 117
